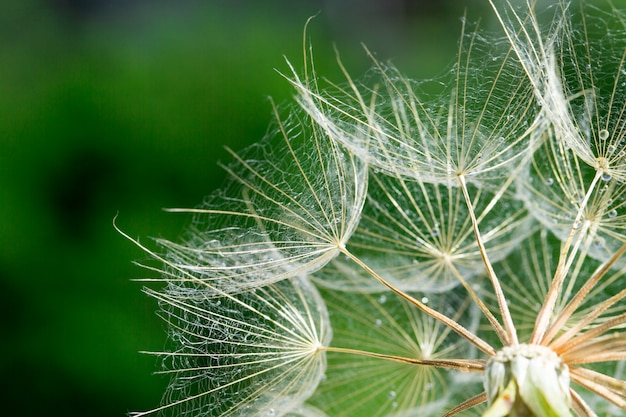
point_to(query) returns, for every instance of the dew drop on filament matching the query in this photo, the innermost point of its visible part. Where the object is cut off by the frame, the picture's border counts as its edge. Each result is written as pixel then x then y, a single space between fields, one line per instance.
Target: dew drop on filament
pixel 603 134
pixel 599 242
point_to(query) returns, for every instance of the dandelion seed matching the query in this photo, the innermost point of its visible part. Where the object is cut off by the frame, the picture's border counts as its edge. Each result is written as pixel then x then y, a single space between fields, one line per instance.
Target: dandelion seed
pixel 279 217
pixel 250 354
pixel 362 384
pixel 577 103
pixel 396 131
pixel 583 101
pixel 428 230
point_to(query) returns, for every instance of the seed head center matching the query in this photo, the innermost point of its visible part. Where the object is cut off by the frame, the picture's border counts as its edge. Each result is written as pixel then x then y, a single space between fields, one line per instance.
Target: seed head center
pixel 527 351
pixel 526 380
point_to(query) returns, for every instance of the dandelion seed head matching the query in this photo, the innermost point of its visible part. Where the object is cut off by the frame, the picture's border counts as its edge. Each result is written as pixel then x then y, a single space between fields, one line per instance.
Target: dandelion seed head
pixel 391 252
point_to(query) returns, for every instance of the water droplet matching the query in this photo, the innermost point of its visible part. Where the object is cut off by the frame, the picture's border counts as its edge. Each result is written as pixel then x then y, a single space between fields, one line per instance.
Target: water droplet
pixel 378 323
pixel 382 299
pixel 599 242
pixel 271 412
pixel 612 213
pixel 391 395
pixel 606 176
pixel 425 300
pixel 394 404
pixel 577 224
pixel 603 134
pixel 549 181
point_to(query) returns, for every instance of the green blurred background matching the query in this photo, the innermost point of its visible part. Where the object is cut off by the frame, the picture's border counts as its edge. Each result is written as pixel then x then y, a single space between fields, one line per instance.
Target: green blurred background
pixel 124 107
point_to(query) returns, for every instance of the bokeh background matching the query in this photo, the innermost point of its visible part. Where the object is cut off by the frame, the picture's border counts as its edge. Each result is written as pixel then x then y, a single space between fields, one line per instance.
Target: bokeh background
pixel 121 108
